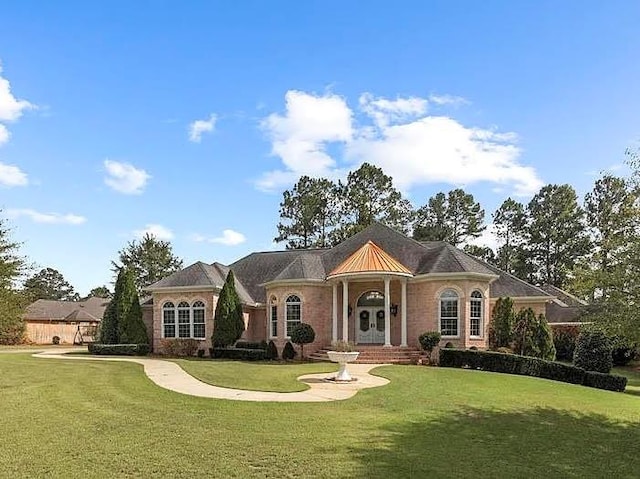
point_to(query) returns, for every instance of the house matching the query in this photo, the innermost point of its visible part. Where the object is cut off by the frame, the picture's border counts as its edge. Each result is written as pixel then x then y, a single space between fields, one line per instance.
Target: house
pixel 564 309
pixel 377 288
pixel 71 321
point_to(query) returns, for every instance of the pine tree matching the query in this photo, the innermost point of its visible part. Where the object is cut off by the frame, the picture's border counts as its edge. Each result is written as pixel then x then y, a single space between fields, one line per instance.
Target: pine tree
pixel 12 302
pixel 510 221
pixel 502 322
pixel 228 322
pixel 109 325
pixel 525 341
pixel 543 336
pixel 122 319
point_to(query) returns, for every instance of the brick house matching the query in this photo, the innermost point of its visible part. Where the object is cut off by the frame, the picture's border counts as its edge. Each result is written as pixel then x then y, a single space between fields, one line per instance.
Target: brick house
pixel 378 288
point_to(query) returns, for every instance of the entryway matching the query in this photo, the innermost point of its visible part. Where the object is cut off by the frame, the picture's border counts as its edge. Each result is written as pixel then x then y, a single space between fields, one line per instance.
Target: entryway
pixel 370 318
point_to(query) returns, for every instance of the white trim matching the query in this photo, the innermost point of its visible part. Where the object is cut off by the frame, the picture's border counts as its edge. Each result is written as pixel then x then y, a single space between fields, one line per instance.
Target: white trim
pixel 345 311
pixel 289 282
pixel 387 312
pixel 481 318
pixel 403 314
pixel 455 276
pixel 286 312
pixel 439 299
pixel 368 274
pixel 334 312
pixel 270 334
pixel 180 289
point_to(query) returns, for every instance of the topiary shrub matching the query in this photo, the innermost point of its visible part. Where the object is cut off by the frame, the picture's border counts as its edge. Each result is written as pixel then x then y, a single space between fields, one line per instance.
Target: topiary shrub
pixel 55 340
pixel 179 347
pixel 288 353
pixel 593 352
pixel 428 341
pixel 119 349
pixel 449 345
pixel 564 340
pixel 272 351
pixel 228 321
pixel 303 334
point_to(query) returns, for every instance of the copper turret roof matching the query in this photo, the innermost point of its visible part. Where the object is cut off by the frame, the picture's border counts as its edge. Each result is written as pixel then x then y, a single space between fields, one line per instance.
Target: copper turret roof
pixel 370 258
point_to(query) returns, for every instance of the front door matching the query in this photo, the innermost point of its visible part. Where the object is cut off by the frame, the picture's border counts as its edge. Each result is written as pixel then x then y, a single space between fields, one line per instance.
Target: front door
pixel 371 325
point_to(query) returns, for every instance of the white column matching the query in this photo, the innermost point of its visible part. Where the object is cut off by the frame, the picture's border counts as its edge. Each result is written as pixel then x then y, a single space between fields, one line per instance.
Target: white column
pixel 387 313
pixel 345 310
pixel 403 305
pixel 334 312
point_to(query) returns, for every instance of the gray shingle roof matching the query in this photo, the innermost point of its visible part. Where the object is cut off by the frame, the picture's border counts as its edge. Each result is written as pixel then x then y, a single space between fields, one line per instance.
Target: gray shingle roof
pixel 73 311
pixel 197 274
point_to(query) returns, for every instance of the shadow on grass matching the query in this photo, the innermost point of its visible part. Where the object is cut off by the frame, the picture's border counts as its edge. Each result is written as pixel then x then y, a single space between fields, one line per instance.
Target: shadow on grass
pixel 529 443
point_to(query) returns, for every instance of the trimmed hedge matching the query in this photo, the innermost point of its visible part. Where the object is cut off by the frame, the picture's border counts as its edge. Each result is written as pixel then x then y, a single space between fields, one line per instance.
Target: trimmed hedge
pixel 251 345
pixel 528 366
pixel 119 349
pixel 610 382
pixel 242 354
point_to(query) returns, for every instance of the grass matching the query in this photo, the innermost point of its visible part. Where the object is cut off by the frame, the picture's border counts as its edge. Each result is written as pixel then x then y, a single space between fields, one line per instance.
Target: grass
pixel 254 376
pixel 102 419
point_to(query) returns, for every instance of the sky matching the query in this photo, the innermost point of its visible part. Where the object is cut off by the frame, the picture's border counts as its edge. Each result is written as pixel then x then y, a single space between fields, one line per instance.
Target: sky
pixel 189 119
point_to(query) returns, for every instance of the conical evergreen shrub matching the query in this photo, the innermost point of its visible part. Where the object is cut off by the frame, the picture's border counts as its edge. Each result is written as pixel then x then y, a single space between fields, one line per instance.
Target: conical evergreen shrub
pixel 502 324
pixel 228 322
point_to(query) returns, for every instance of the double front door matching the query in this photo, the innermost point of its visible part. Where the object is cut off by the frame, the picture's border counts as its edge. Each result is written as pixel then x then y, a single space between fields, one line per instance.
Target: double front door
pixel 370 327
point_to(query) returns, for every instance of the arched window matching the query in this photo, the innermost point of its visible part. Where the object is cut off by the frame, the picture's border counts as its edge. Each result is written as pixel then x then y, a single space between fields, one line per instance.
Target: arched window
pixel 293 308
pixel 184 320
pixel 198 320
pixel 475 317
pixel 449 313
pixel 168 320
pixel 273 317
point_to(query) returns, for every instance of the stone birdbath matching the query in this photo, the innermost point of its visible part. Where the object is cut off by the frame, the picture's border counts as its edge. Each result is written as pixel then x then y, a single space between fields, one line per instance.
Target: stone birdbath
pixel 343 358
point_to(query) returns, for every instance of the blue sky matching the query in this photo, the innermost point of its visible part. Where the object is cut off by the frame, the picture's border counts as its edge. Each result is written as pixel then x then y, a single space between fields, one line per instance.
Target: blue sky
pixel 191 120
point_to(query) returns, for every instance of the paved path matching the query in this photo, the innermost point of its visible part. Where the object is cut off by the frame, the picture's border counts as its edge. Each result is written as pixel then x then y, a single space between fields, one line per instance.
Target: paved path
pixel 169 375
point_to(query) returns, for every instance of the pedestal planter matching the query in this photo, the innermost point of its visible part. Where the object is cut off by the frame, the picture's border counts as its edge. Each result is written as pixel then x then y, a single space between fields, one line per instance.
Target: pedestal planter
pixel 342 358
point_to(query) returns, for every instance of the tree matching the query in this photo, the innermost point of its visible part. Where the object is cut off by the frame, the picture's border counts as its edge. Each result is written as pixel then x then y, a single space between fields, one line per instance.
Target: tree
pixel 543 338
pixel 510 221
pixel 593 351
pixel 483 252
pixel 303 334
pixel 150 260
pixel 308 213
pixel 49 283
pixel 12 301
pixel 369 195
pixel 502 322
pixel 455 218
pixel 122 320
pixel 524 342
pixel 228 321
pixel 556 233
pixel 100 292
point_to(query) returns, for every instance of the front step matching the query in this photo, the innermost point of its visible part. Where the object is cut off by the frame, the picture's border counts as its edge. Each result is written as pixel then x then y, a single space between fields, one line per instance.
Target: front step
pixel 376 354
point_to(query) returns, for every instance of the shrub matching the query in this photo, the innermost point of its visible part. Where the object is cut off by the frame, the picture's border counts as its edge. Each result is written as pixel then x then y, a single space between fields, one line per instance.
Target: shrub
pixel 288 353
pixel 504 350
pixel 272 351
pixel 55 340
pixel 242 354
pixel 302 334
pixel 502 322
pixel 610 382
pixel 342 346
pixel 593 352
pixel 523 338
pixel 119 349
pixel 228 322
pixel 429 340
pixel 179 347
pixel 473 348
pixel 623 351
pixel 251 345
pixel 449 345
pixel 543 338
pixel 564 340
pixel 201 353
pixel 529 366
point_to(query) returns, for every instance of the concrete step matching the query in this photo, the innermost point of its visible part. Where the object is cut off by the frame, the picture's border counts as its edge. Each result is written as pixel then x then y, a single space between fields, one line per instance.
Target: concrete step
pixel 376 354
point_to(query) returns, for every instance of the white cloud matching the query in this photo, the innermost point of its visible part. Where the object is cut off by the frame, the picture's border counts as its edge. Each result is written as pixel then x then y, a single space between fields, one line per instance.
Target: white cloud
pixel 48 218
pixel 317 136
pixel 487 238
pixel 4 134
pixel 125 178
pixel 11 175
pixel 300 136
pixel 447 100
pixel 199 127
pixel 229 238
pixel 159 231
pixel 10 107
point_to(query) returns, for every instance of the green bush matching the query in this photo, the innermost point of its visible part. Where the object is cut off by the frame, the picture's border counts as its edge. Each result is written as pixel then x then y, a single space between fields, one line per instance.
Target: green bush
pixel 228 321
pixel 201 353
pixel 179 347
pixel 564 339
pixel 528 366
pixel 303 334
pixel 502 323
pixel 449 345
pixel 624 351
pixel 241 354
pixel 429 340
pixel 610 382
pixel 593 352
pixel 119 349
pixel 272 351
pixel 251 345
pixel 55 340
pixel 288 353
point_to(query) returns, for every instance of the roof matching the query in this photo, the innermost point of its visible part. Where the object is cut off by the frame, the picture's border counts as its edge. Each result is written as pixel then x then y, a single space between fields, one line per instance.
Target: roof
pixel 376 248
pixel 564 298
pixel 370 258
pixel 90 310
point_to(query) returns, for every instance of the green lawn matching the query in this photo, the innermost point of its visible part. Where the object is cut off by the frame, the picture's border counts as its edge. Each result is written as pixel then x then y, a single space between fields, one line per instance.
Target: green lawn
pixel 256 376
pixel 101 419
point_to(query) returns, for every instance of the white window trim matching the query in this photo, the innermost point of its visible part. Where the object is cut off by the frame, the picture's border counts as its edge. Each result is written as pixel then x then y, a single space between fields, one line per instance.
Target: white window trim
pixel 174 317
pixel 481 318
pixel 192 318
pixel 286 312
pixel 444 336
pixel 270 321
pixel 176 323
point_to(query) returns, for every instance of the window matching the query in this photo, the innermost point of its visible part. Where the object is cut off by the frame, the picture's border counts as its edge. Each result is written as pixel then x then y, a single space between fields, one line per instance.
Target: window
pixel 449 313
pixel 198 320
pixel 169 320
pixel 184 320
pixel 475 321
pixel 293 307
pixel 273 318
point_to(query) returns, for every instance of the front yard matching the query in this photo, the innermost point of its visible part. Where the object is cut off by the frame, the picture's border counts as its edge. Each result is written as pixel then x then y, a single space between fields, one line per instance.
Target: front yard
pixel 103 419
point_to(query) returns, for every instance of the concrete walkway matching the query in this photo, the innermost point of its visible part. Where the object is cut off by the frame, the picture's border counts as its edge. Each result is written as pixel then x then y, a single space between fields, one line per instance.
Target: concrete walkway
pixel 169 375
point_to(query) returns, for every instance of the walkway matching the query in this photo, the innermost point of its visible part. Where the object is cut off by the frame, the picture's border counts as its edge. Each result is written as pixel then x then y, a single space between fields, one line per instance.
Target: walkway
pixel 169 375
